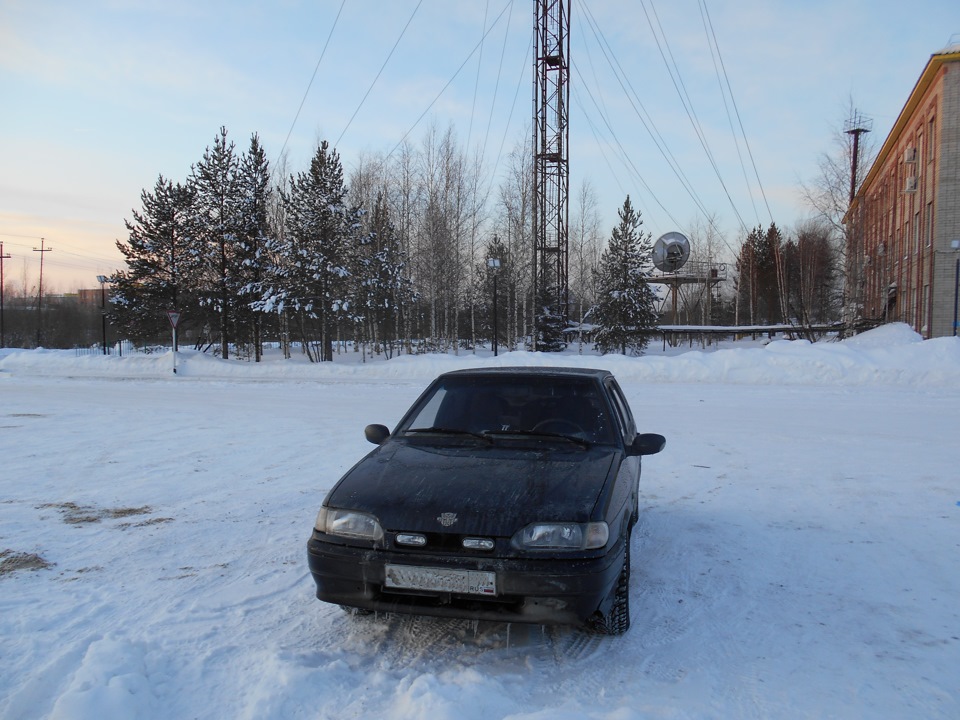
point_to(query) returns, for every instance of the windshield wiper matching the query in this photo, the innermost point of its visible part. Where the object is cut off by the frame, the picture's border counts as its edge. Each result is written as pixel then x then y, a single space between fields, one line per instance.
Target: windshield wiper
pixel 449 431
pixel 538 434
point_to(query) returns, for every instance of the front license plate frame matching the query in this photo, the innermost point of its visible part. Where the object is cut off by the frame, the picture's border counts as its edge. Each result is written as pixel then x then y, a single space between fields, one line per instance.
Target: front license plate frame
pixel 447 580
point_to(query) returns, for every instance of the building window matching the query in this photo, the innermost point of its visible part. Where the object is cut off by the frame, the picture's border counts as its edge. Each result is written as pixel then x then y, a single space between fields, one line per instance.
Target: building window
pixel 916 232
pixel 932 140
pixel 930 223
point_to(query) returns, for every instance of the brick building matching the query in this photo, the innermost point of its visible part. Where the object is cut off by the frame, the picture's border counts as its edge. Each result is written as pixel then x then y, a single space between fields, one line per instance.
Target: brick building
pixel 88 297
pixel 906 213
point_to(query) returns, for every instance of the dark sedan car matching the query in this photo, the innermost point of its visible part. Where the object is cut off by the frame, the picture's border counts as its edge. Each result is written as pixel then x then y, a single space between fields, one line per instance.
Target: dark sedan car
pixel 503 494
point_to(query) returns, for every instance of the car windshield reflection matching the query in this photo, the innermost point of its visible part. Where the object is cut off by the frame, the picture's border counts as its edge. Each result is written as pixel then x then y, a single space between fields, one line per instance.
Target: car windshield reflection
pixel 545 407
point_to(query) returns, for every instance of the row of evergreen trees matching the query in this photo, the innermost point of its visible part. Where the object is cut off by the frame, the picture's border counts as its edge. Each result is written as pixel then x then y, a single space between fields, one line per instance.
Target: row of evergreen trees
pixel 239 259
pixel 788 280
pixel 244 259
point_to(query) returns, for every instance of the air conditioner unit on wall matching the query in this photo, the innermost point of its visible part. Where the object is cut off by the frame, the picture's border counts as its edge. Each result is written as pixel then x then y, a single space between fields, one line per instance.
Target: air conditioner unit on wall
pixel 910 184
pixel 910 155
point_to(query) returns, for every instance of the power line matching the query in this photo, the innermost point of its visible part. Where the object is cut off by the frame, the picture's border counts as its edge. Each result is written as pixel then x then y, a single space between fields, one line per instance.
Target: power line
pixel 83 256
pixel 688 105
pixel 516 94
pixel 600 146
pixel 736 110
pixel 312 77
pixel 496 87
pixel 449 82
pixel 645 118
pixel 513 107
pixel 369 89
pixel 624 154
pixel 647 121
pixel 28 237
pixel 648 124
pixel 726 108
pixel 476 82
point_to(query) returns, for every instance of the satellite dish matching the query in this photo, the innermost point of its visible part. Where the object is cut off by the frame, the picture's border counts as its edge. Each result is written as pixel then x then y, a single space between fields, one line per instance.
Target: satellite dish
pixel 671 251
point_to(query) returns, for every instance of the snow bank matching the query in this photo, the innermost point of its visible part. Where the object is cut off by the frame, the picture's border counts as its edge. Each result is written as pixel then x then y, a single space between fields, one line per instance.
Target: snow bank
pixel 891 355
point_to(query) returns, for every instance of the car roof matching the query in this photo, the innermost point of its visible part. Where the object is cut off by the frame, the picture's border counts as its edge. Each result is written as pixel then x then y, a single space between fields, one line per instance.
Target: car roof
pixel 536 371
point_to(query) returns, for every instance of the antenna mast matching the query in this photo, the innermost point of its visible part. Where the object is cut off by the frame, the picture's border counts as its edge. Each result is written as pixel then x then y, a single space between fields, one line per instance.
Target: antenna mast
pixel 551 140
pixel 856 126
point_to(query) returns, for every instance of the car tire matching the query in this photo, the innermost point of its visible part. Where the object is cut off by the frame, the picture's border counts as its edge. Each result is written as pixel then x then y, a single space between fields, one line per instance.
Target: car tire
pixel 617 621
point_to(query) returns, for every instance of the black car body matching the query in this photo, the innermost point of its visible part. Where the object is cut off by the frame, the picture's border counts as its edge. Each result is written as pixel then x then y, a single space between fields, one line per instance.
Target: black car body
pixel 503 494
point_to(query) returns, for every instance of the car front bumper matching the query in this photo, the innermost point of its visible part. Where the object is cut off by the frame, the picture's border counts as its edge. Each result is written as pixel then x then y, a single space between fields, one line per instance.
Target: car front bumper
pixel 565 591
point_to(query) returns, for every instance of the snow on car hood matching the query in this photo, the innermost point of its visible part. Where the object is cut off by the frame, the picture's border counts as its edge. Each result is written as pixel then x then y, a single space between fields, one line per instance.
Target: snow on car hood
pixel 492 490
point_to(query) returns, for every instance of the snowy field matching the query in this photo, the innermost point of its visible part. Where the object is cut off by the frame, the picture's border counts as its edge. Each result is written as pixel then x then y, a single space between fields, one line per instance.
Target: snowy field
pixel 798 554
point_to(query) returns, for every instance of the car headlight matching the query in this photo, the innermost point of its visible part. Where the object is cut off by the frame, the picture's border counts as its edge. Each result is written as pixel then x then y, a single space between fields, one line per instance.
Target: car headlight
pixel 348 524
pixel 563 536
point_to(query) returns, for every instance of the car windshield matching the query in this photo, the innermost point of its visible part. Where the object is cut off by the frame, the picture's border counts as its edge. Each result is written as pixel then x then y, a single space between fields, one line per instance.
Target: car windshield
pixel 519 406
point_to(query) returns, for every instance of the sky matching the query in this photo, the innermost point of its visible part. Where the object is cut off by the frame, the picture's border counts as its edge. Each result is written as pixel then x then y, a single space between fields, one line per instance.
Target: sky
pixel 100 98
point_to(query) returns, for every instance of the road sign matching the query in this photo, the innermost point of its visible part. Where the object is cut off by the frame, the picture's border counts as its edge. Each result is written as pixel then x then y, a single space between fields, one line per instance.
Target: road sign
pixel 174 318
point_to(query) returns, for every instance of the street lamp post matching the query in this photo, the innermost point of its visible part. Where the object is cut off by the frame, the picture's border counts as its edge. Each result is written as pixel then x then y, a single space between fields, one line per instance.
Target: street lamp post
pixel 103 312
pixel 494 265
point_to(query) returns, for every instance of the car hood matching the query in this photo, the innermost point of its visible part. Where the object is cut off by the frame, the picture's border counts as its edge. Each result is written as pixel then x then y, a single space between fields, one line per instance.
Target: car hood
pixel 492 490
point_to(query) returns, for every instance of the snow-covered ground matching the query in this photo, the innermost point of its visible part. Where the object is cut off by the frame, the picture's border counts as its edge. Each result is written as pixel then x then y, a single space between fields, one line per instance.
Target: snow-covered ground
pixel 798 555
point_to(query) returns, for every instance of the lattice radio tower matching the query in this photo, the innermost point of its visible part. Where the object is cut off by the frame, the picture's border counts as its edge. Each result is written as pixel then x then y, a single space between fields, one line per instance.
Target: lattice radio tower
pixel 551 140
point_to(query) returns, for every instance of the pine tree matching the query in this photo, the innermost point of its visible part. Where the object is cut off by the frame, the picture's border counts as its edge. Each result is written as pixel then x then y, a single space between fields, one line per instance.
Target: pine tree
pixel 216 208
pixel 253 232
pixel 162 273
pixel 550 323
pixel 626 308
pixel 760 275
pixel 310 267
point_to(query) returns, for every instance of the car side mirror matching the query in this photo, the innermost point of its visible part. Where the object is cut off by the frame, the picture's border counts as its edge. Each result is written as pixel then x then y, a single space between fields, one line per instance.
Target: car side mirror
pixel 647 444
pixel 376 433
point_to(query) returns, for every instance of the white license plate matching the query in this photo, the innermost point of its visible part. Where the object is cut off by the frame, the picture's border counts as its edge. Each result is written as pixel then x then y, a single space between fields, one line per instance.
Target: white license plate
pixel 471 582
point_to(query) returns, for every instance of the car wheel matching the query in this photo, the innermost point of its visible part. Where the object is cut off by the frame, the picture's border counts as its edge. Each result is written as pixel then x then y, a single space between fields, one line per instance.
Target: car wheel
pixel 617 621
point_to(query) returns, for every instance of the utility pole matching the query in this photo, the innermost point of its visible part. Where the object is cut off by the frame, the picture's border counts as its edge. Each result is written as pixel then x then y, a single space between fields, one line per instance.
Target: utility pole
pixel 42 251
pixel 3 342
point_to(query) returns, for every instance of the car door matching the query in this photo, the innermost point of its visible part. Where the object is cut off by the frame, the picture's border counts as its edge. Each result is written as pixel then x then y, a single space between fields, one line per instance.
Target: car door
pixel 628 479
